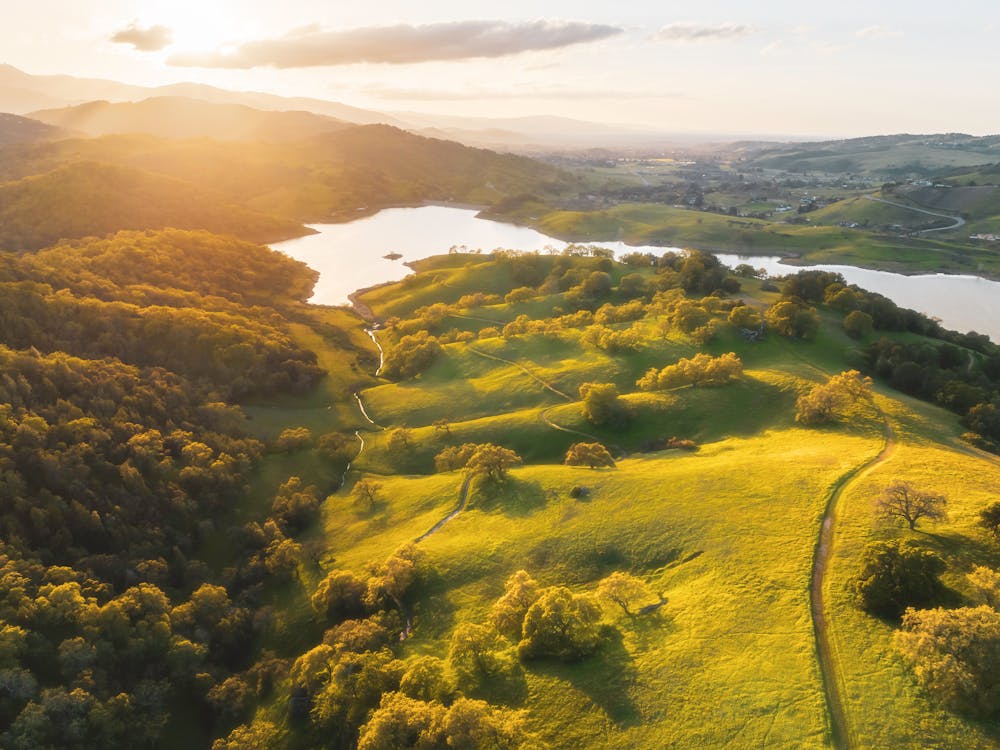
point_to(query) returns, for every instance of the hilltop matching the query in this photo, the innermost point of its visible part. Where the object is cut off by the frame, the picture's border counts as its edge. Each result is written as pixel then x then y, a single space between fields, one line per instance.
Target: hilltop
pixel 184 117
pixel 255 190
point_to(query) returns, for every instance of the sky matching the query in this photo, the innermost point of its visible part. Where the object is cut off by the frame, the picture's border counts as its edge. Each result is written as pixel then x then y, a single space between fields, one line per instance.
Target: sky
pixel 773 67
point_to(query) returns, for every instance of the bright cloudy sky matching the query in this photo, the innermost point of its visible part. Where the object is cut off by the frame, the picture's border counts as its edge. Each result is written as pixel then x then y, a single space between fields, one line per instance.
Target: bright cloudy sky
pixel 849 67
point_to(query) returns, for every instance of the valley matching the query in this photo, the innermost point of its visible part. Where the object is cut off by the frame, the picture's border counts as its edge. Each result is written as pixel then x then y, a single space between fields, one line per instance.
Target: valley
pixel 564 479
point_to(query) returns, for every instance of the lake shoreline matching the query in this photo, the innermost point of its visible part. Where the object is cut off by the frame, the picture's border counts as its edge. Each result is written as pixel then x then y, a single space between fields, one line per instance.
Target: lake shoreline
pixel 351 259
pixel 799 259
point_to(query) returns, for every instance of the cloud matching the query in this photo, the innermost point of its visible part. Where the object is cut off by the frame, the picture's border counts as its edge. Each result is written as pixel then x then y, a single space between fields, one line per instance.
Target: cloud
pixel 460 40
pixel 876 32
pixel 150 39
pixel 685 32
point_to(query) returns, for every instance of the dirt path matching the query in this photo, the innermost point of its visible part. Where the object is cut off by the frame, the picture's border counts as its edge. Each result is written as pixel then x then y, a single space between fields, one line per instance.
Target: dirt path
pixel 544 415
pixel 959 221
pixel 529 373
pixel 619 452
pixel 463 496
pixel 832 687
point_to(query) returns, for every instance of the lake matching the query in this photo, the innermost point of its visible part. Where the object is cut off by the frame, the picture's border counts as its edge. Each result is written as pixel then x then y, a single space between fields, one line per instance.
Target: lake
pixel 350 257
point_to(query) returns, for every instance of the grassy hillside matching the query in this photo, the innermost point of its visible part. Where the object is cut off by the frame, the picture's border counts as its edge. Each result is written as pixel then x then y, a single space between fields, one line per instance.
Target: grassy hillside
pixel 890 155
pixel 181 117
pixel 727 534
pixel 87 199
pixel 334 176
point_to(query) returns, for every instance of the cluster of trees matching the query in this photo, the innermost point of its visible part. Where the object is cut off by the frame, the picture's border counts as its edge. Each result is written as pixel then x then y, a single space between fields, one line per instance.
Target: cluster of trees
pixel 827 401
pixel 830 288
pixel 355 690
pixel 947 375
pixel 792 318
pixel 228 352
pixel 411 355
pixel 700 370
pixel 698 319
pixel 613 341
pixel 946 371
pixel 954 652
pixel 487 460
pixel 188 265
pixel 119 464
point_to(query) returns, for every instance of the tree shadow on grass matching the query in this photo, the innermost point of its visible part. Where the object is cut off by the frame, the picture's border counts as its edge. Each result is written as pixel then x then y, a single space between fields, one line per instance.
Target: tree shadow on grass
pixel 606 678
pixel 649 630
pixel 515 497
pixel 507 687
pixel 976 550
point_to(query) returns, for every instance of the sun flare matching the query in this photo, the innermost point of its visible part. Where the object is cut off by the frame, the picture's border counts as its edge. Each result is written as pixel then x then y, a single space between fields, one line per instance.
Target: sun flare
pixel 200 27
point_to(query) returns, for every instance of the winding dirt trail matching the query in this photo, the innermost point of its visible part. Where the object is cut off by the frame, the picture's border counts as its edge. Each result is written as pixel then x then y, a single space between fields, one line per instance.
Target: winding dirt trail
pixel 529 373
pixel 832 681
pixel 463 496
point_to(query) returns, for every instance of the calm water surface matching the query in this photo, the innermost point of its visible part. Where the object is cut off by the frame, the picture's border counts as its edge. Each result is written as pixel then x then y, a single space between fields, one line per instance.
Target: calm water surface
pixel 350 257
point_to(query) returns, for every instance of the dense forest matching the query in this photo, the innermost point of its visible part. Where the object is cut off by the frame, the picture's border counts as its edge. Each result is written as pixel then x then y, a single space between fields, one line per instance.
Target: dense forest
pixel 121 452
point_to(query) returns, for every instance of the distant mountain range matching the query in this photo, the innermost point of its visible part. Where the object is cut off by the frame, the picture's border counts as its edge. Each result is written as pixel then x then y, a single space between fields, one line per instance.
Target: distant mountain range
pixel 183 117
pixel 15 129
pixel 44 96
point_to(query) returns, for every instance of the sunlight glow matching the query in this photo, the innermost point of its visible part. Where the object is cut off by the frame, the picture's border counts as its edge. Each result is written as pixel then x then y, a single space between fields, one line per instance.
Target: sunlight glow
pixel 200 27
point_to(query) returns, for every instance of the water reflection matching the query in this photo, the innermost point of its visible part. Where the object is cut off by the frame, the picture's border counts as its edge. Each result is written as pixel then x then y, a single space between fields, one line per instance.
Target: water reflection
pixel 351 256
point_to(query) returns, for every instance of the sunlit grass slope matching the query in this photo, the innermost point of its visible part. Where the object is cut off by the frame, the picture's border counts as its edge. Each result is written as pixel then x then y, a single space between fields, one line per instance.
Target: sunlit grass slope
pixel 727 534
pixel 884 706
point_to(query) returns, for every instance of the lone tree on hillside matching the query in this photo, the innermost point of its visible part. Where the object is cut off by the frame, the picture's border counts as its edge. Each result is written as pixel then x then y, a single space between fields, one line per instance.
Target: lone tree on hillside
pixel 366 491
pixel 825 400
pixel 589 454
pixel 602 406
pixel 903 500
pixel 560 624
pixel 989 519
pixel 624 590
pixel 492 461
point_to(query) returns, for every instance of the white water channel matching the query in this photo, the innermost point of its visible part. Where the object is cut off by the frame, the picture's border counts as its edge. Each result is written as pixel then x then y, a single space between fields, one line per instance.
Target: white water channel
pixel 350 257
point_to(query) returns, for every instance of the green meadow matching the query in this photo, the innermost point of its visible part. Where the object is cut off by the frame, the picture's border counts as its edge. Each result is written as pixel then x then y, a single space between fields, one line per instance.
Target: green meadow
pixel 727 533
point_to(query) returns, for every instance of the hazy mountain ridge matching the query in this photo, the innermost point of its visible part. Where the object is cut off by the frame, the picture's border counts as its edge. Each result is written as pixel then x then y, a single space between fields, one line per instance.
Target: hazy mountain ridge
pixel 183 117
pixel 16 129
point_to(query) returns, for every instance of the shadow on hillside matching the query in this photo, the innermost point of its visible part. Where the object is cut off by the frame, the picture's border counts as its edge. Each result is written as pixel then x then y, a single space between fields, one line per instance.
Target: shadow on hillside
pixel 509 687
pixel 606 678
pixel 956 547
pixel 515 497
pixel 649 630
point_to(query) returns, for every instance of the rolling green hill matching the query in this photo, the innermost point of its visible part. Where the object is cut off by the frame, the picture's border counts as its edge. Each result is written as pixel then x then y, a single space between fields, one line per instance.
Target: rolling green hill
pixel 726 535
pixel 87 198
pixel 334 176
pixel 889 155
pixel 182 117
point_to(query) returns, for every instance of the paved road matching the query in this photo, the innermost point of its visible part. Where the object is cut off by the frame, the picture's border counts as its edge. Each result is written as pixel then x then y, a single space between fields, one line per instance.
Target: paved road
pixel 959 221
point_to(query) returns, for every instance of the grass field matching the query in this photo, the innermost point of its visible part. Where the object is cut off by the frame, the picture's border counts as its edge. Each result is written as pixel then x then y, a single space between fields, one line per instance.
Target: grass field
pixel 727 533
